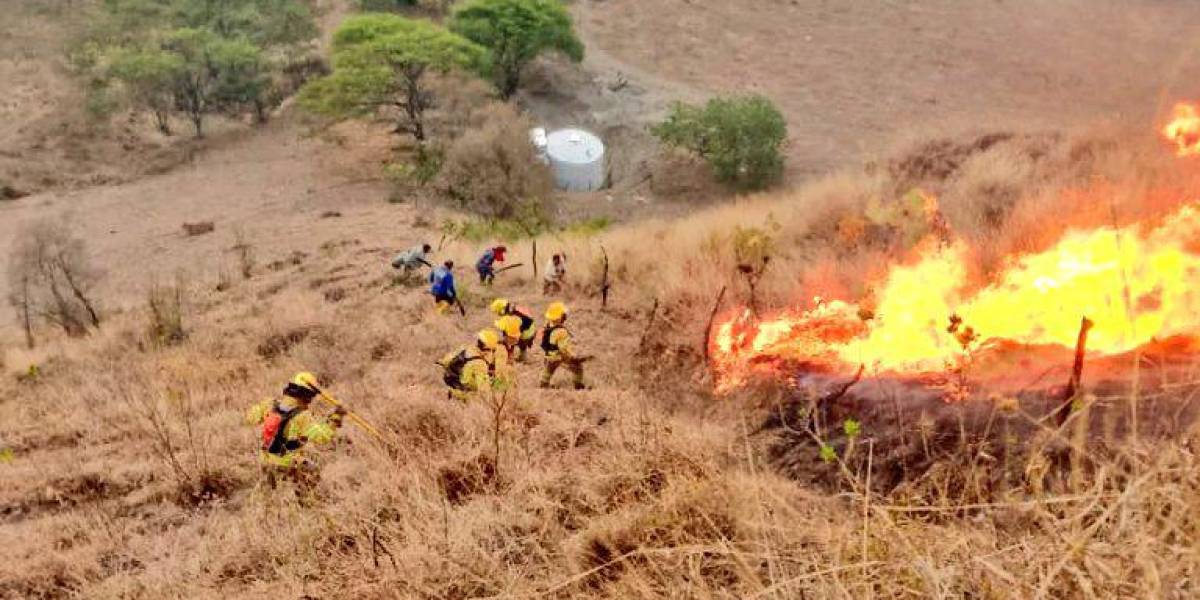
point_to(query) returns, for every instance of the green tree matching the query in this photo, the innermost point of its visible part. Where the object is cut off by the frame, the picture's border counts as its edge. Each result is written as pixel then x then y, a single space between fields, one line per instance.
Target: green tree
pixel 515 32
pixel 195 57
pixel 380 61
pixel 740 137
pixel 216 73
pixel 148 77
pixel 267 24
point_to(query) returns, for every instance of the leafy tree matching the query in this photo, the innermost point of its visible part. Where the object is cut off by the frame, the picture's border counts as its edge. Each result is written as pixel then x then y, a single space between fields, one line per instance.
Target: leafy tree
pixel 380 61
pixel 195 57
pixel 740 137
pixel 149 77
pixel 215 73
pixel 516 32
pixel 264 23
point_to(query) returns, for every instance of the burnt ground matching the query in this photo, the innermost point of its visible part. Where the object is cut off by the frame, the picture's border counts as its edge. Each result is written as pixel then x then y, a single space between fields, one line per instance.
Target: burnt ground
pixel 915 442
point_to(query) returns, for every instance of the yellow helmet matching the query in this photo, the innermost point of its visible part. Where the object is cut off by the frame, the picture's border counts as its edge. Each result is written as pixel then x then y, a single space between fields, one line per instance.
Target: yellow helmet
pixel 510 325
pixel 489 339
pixel 500 306
pixel 306 379
pixel 557 311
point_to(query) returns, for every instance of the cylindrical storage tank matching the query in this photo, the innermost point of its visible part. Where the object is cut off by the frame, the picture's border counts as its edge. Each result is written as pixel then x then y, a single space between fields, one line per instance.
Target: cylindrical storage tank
pixel 577 159
pixel 537 137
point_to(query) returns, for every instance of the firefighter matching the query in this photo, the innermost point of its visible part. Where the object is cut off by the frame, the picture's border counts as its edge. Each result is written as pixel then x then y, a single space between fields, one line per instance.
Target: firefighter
pixel 486 266
pixel 470 369
pixel 509 328
pixel 288 427
pixel 502 308
pixel 442 288
pixel 560 348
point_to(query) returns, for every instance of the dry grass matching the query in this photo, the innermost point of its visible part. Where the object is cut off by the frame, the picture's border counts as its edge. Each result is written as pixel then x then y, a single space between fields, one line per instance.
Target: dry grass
pixel 132 477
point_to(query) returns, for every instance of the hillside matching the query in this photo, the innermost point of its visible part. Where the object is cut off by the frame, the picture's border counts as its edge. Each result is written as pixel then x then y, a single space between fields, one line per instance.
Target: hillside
pixel 786 441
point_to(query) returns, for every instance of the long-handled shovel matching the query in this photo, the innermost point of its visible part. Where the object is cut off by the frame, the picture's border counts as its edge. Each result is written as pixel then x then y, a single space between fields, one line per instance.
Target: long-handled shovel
pixel 361 422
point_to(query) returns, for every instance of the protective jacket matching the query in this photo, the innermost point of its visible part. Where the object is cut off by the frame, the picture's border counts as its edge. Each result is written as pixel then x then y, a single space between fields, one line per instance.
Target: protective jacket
pixel 286 429
pixel 467 369
pixel 556 342
pixel 528 325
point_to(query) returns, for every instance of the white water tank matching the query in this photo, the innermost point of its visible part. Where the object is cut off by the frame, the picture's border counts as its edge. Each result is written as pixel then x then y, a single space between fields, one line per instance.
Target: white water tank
pixel 577 159
pixel 537 137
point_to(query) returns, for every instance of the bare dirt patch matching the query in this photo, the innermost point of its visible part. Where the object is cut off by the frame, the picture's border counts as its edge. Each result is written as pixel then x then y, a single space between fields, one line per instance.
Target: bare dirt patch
pixel 853 77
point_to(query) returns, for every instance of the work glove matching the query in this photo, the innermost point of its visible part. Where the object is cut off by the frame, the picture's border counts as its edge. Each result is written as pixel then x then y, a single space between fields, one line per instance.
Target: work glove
pixel 338 415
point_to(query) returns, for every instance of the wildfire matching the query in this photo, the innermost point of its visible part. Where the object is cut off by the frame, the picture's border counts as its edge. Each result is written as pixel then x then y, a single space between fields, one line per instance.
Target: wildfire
pixel 1136 283
pixel 1184 129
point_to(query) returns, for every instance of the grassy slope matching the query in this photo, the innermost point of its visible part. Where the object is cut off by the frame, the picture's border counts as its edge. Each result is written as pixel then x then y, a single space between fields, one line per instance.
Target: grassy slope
pixel 643 487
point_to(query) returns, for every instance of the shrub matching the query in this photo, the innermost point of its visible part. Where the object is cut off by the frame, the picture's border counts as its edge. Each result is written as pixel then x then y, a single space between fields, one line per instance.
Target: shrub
pixel 740 137
pixel 53 278
pixel 164 306
pixel 494 171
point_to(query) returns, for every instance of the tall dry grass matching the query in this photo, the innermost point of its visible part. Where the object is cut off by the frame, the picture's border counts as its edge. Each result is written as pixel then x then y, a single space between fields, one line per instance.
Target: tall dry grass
pixel 131 476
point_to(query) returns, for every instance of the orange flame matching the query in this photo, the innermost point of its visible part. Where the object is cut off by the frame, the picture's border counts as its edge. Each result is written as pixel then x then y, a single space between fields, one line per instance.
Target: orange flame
pixel 1184 129
pixel 1136 283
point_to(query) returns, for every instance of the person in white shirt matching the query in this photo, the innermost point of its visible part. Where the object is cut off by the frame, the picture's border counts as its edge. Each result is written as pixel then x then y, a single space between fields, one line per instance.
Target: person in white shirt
pixel 556 272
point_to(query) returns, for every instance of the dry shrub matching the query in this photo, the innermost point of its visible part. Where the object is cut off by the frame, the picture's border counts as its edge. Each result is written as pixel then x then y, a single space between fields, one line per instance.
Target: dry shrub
pixel 52 277
pixel 433 426
pixel 466 479
pixel 164 305
pixel 494 170
pixel 698 523
pixel 277 344
pixel 464 103
pixel 934 161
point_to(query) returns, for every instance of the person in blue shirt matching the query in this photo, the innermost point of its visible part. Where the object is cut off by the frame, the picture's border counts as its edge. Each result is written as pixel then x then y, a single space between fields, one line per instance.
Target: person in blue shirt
pixel 486 265
pixel 442 287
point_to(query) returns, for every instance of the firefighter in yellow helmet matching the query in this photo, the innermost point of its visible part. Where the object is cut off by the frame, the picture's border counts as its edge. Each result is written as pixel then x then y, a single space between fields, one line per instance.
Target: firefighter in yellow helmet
pixel 288 427
pixel 504 308
pixel 509 328
pixel 470 369
pixel 560 348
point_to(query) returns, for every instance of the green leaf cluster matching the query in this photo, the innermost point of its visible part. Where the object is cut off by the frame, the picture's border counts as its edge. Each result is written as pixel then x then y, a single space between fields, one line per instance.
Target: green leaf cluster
pixel 381 60
pixel 192 57
pixel 740 137
pixel 515 32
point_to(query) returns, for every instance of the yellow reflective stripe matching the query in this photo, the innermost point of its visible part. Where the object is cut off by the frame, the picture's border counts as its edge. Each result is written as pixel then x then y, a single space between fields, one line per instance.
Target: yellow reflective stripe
pixel 278 461
pixel 257 413
pixel 319 433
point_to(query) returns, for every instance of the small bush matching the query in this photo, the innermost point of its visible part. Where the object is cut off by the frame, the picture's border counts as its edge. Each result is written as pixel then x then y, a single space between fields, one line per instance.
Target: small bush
pixel 740 137
pixel 52 277
pixel 424 168
pixel 494 171
pixel 165 308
